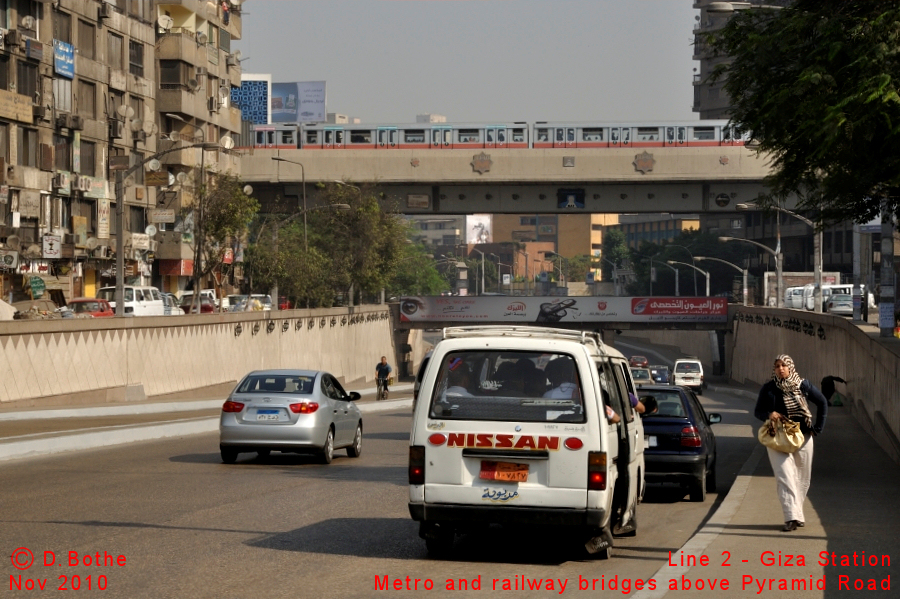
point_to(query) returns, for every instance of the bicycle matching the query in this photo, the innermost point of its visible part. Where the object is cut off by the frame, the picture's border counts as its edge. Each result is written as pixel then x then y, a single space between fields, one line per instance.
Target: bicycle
pixel 382 392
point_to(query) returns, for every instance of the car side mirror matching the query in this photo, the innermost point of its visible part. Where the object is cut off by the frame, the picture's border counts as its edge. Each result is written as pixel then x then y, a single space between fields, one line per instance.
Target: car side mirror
pixel 714 418
pixel 353 396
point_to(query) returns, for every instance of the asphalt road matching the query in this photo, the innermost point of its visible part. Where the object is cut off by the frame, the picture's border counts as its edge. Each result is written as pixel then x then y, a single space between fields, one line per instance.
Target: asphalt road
pixel 187 525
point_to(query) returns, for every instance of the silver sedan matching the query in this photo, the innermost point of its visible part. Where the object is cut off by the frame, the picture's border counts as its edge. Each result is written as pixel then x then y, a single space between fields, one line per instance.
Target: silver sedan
pixel 299 411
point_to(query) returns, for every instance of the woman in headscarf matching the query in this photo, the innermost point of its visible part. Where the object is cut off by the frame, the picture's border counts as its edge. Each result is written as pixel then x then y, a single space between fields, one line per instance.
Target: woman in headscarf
pixel 787 396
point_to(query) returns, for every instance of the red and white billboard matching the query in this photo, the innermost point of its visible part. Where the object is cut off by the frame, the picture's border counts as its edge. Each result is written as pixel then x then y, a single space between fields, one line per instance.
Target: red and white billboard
pixel 549 310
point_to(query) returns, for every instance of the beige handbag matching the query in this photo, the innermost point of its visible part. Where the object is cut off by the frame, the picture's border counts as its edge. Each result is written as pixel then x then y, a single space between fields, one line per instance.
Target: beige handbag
pixel 781 435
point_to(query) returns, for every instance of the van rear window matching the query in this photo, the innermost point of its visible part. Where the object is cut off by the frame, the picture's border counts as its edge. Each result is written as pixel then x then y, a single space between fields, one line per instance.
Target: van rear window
pixel 515 386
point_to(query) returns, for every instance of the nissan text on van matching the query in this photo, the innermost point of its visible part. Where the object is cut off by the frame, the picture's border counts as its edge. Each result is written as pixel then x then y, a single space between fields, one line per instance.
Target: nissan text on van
pixel 511 427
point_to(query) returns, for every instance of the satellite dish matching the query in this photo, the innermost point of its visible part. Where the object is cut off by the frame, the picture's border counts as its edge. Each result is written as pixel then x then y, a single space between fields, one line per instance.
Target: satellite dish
pixel 237 54
pixel 33 251
pixel 202 38
pixel 181 177
pixel 27 22
pixel 148 126
pixel 236 2
pixel 248 191
pixel 136 125
pixel 165 22
pixel 226 142
pixel 154 165
pixel 92 243
pixel 125 111
pixel 150 230
pixel 154 129
pixel 14 243
pixel 193 84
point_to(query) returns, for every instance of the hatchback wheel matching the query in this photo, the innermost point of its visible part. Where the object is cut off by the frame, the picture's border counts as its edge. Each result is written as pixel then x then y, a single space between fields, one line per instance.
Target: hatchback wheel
pixel 229 455
pixel 328 448
pixel 356 448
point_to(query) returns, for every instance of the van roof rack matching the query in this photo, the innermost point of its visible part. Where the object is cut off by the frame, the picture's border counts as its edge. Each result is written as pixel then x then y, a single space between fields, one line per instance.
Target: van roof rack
pixel 583 337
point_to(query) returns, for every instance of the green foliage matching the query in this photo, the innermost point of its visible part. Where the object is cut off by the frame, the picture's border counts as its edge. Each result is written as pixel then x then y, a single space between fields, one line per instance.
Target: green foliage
pixel 817 85
pixel 615 249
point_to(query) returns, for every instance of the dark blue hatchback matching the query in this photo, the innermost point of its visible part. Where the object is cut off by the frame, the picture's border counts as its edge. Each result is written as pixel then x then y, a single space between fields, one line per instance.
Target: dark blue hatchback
pixel 679 444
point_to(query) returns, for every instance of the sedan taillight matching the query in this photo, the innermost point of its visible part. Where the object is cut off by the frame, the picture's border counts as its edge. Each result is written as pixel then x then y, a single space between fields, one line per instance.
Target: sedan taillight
pixel 232 406
pixel 417 465
pixel 306 407
pixel 690 437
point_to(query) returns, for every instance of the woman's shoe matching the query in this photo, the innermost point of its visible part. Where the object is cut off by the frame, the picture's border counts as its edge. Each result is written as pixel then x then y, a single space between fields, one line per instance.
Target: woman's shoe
pixel 789 526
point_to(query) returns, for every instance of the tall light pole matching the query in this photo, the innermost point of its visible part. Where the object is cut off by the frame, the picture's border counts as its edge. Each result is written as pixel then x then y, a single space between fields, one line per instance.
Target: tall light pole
pixel 561 259
pixel 499 274
pixel 692 259
pixel 743 271
pixel 698 269
pixel 615 274
pixel 482 269
pixel 817 249
pixel 303 186
pixel 526 269
pixel 779 297
pixel 677 294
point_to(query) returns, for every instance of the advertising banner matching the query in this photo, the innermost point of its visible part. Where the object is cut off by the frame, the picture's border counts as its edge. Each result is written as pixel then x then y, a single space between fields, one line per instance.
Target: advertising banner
pixel 478 229
pixel 298 102
pixel 549 310
pixel 64 59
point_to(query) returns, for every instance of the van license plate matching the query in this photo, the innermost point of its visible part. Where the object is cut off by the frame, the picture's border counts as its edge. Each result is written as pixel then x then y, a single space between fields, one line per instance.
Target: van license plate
pixel 504 471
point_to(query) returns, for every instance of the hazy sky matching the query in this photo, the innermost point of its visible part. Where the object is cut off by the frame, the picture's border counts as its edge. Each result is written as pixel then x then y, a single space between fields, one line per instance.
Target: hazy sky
pixel 481 60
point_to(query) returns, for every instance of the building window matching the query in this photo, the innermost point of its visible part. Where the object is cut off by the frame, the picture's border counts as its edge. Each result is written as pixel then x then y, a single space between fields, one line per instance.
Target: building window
pixel 87 99
pixel 136 58
pixel 838 242
pixel 62 94
pixel 87 36
pixel 136 219
pixel 139 9
pixel 28 147
pixel 137 105
pixel 116 99
pixel 27 8
pixel 826 241
pixel 115 47
pixel 27 83
pixel 173 72
pixel 88 158
pixel 62 153
pixel 137 158
pixel 114 151
pixel 527 220
pixel 62 27
pixel 4 142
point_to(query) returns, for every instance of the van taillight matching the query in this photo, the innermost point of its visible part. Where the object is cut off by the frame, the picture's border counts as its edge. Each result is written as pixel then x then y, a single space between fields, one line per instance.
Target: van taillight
pixel 690 437
pixel 232 406
pixel 416 465
pixel 596 470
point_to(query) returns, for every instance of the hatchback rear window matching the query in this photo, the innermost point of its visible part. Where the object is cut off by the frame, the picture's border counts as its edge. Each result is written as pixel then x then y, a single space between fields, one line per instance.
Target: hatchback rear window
pixel 276 384
pixel 515 386
pixel 687 367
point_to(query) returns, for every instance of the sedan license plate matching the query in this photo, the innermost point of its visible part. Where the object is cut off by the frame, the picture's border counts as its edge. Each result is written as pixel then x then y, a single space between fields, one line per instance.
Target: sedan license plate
pixel 650 441
pixel 267 414
pixel 504 471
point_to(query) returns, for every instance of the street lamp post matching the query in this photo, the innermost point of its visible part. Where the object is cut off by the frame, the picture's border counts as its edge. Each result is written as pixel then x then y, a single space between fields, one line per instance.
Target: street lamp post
pixel 526 269
pixel 499 274
pixel 817 250
pixel 743 271
pixel 563 278
pixel 677 294
pixel 615 274
pixel 779 297
pixel 482 269
pixel 692 259
pixel 698 269
pixel 303 187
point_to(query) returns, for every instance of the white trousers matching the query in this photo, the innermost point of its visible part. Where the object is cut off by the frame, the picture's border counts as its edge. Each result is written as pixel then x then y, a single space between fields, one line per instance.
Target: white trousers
pixel 792 475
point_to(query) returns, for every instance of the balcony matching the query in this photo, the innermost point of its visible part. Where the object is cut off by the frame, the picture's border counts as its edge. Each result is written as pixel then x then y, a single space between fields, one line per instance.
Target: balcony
pixel 181 44
pixel 180 99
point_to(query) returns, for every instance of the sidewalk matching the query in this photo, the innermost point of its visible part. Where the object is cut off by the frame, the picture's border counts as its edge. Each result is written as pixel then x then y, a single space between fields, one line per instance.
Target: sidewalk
pixel 34 432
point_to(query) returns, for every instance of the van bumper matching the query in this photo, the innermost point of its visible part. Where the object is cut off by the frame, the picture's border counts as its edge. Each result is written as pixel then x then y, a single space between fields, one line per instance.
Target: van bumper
pixel 421 512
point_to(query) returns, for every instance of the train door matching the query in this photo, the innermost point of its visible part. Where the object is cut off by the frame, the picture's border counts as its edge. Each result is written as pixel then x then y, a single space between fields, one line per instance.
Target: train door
pixel 387 137
pixel 676 136
pixel 334 138
pixel 265 138
pixel 495 137
pixel 564 137
pixel 441 137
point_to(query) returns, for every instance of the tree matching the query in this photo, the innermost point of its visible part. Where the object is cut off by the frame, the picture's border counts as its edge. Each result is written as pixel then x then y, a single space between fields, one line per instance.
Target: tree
pixel 415 273
pixel 615 249
pixel 816 83
pixel 219 213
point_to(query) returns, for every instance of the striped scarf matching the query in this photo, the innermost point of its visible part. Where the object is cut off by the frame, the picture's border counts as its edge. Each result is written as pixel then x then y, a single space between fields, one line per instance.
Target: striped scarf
pixel 794 400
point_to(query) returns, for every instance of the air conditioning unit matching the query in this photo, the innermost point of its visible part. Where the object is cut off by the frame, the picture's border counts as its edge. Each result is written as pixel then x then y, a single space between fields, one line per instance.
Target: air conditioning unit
pixel 84 184
pixel 104 11
pixel 76 121
pixel 12 38
pixel 117 129
pixel 154 245
pixel 39 112
pixel 201 72
pixel 212 104
pixel 60 180
pixel 139 136
pixel 62 121
pixel 230 60
pixel 69 238
pixel 102 251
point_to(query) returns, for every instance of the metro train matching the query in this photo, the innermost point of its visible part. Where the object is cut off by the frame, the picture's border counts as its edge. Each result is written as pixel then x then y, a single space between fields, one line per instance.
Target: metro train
pixel 539 135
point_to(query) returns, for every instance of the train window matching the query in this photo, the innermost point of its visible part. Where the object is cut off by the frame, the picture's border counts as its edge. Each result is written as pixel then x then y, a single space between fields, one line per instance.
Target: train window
pixel 726 133
pixel 560 134
pixel 416 136
pixel 338 137
pixel 543 135
pixel 489 135
pixel 570 134
pixel 592 134
pixel 681 134
pixel 626 135
pixel 704 133
pixel 469 135
pixel 518 135
pixel 260 138
pixel 361 137
pixel 670 134
pixel 501 135
pixel 287 138
pixel 647 133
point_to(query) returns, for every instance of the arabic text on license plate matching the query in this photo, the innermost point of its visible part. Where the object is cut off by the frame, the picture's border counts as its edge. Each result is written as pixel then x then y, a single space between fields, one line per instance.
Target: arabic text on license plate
pixel 504 471
pixel 267 414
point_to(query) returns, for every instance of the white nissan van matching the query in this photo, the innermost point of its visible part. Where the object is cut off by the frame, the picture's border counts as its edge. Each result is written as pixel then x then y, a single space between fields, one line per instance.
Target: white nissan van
pixel 511 427
pixel 139 301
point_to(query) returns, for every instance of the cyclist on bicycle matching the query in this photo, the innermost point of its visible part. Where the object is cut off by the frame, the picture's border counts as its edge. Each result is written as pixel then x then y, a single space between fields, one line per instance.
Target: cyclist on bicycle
pixel 383 373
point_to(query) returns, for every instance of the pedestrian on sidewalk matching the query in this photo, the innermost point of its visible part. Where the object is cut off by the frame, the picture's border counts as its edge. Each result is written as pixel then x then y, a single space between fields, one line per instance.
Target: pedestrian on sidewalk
pixel 787 396
pixel 828 386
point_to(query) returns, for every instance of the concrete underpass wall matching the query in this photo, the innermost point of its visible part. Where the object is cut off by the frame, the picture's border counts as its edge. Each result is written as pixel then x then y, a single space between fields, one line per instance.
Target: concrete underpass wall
pixel 823 345
pixel 691 343
pixel 60 362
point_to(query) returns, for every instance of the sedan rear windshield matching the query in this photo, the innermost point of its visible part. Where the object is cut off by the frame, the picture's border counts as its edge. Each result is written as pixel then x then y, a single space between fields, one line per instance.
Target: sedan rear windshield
pixel 514 386
pixel 277 383
pixel 670 404
pixel 687 367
